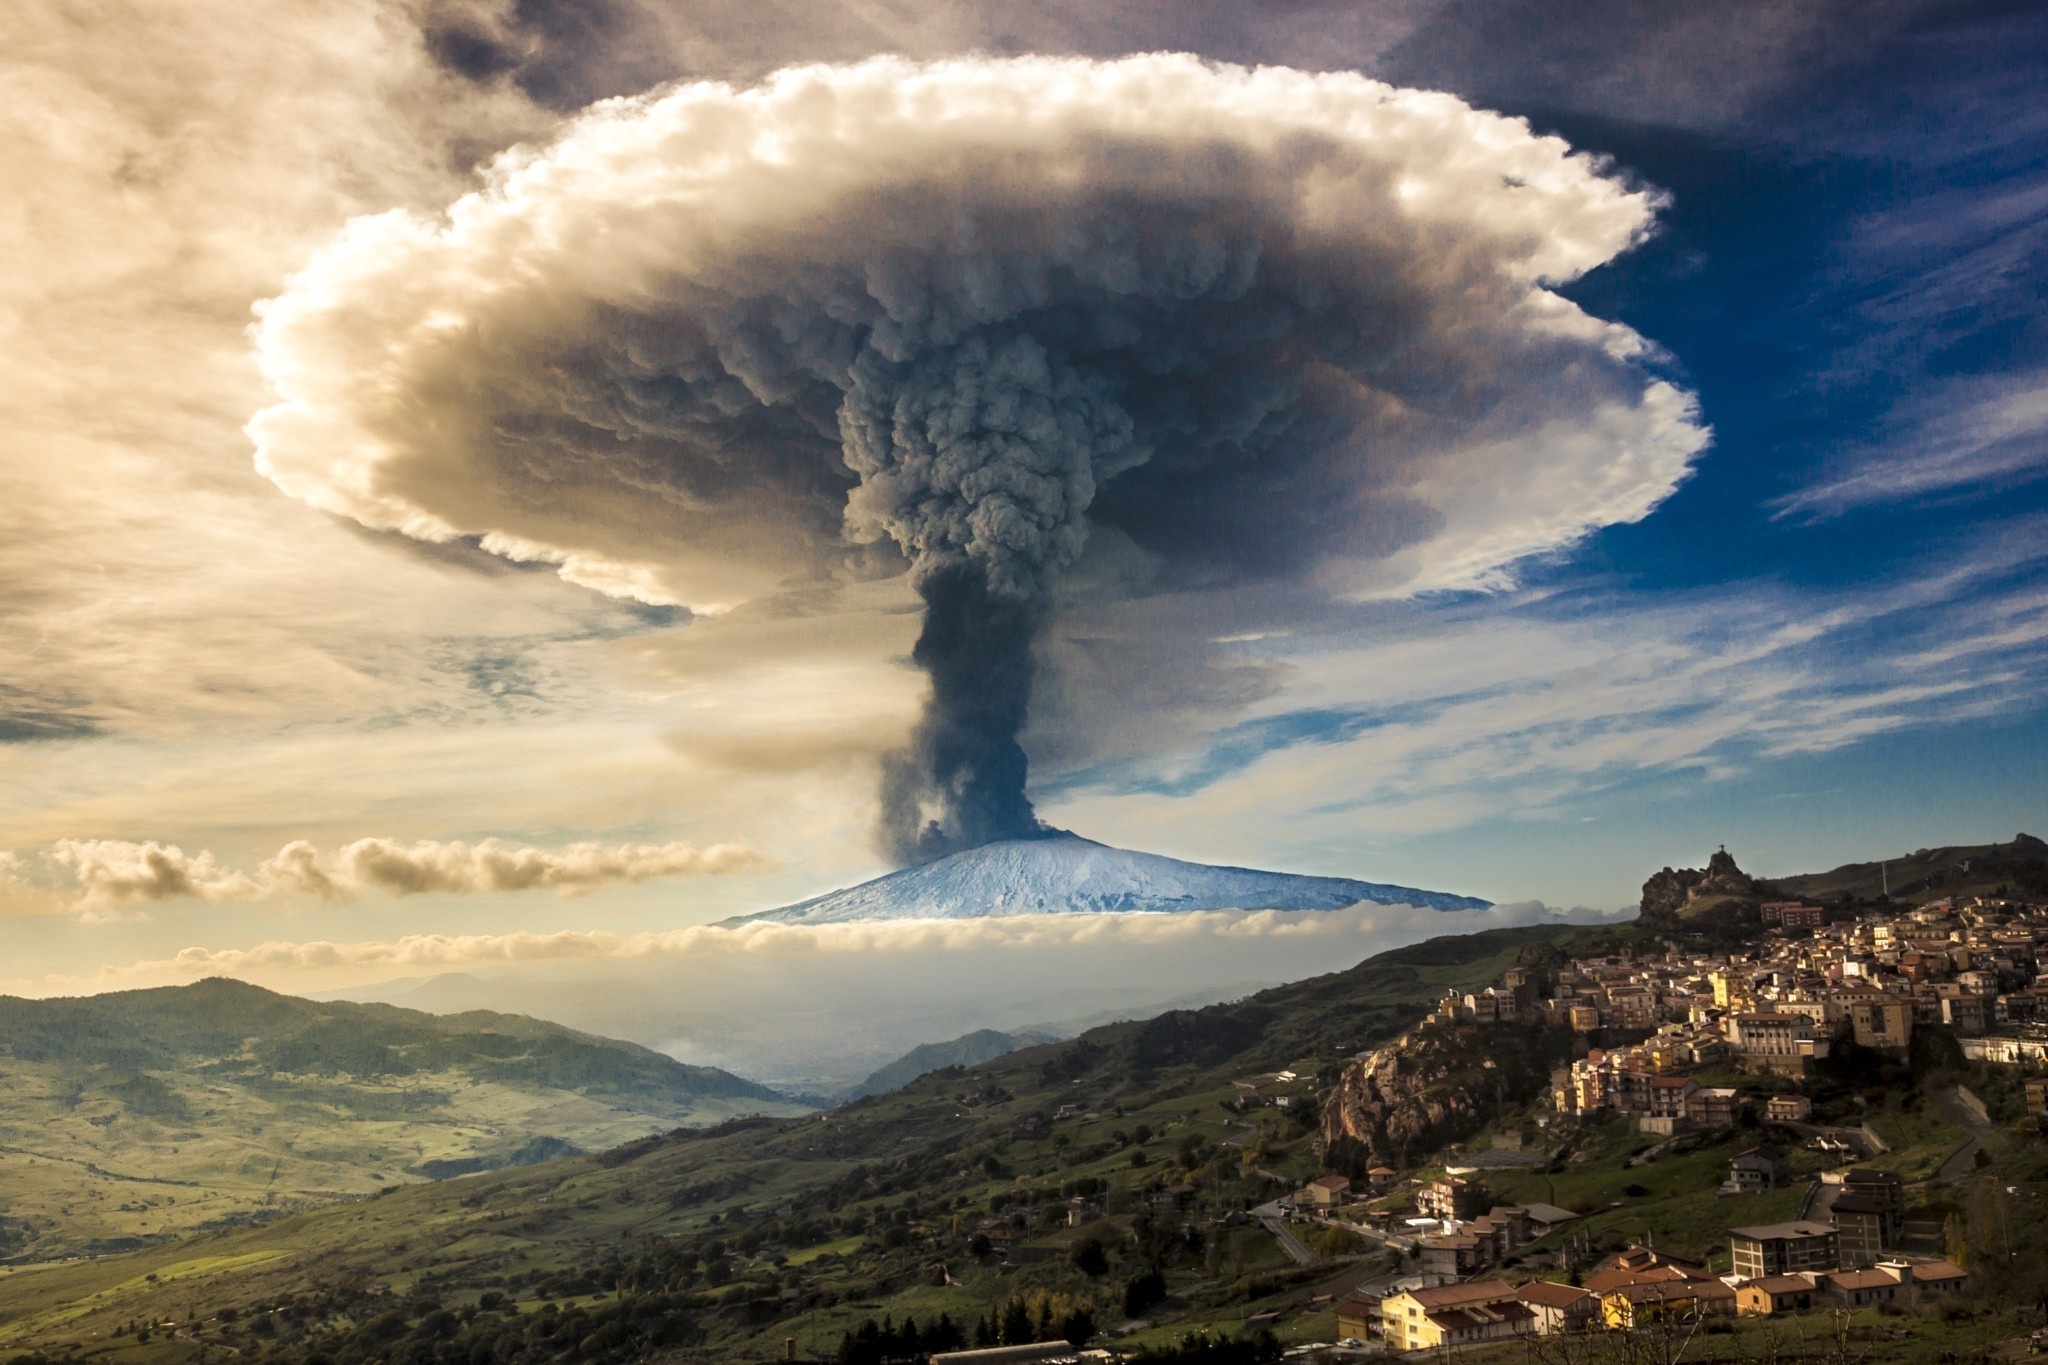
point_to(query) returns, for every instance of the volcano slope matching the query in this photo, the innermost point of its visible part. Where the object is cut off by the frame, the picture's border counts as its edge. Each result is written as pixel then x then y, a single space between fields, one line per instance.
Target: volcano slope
pixel 730 1240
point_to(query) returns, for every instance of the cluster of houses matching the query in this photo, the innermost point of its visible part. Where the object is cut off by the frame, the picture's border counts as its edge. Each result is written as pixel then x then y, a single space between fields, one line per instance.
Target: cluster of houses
pixel 1779 1268
pixel 1813 984
pixel 1804 988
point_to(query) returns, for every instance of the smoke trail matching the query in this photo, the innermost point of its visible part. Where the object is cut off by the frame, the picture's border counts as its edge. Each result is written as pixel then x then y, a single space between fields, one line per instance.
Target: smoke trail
pixel 942 320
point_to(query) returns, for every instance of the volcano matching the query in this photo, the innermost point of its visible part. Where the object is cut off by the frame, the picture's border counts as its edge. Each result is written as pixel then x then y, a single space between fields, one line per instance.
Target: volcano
pixel 1064 874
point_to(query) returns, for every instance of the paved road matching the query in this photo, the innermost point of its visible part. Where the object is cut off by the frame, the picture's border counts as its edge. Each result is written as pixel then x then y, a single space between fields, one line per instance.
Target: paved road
pixel 1969 1118
pixel 1406 1244
pixel 1270 1215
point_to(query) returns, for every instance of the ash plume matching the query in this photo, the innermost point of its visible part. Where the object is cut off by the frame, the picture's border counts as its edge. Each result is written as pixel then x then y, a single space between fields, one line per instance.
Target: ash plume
pixel 949 320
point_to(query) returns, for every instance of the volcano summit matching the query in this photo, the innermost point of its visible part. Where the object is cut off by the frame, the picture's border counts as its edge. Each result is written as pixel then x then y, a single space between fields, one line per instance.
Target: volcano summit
pixel 1064 874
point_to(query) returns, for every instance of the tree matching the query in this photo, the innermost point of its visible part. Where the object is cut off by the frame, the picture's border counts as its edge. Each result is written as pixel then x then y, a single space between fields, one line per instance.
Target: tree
pixel 1142 1291
pixel 1015 1326
pixel 1090 1259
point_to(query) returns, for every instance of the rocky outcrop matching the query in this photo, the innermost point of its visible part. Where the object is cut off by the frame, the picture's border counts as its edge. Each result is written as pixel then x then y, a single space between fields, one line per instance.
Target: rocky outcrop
pixel 1670 893
pixel 1435 1085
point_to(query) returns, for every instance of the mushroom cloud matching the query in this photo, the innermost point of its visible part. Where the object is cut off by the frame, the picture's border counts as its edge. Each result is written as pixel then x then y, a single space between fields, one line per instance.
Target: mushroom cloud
pixel 949 320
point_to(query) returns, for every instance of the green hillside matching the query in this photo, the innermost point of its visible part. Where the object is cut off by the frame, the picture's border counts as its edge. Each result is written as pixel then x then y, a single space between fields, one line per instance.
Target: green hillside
pixel 970 1049
pixel 2017 869
pixel 137 1115
pixel 741 1236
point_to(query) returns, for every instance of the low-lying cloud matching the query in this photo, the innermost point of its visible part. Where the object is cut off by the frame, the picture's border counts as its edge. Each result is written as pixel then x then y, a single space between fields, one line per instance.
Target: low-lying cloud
pixel 113 874
pixel 1364 928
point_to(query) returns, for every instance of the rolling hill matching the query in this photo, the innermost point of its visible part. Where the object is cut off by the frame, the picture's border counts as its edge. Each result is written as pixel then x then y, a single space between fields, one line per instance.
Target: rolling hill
pixel 970 1049
pixel 737 1237
pixel 136 1115
pixel 2017 869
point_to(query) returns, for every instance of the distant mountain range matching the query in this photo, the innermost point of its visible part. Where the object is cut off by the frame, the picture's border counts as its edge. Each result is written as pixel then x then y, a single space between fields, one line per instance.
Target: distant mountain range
pixel 972 1049
pixel 1065 874
pixel 132 1116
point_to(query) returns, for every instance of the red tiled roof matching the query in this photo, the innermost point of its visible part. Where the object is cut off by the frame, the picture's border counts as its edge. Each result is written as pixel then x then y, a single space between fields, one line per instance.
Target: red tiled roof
pixel 1550 1294
pixel 1452 1295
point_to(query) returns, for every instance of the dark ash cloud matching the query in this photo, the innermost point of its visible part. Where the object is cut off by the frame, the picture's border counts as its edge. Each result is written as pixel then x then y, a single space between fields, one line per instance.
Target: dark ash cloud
pixel 950 321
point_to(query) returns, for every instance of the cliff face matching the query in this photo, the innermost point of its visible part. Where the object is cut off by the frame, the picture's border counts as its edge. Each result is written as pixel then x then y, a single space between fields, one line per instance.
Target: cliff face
pixel 1668 893
pixel 1435 1085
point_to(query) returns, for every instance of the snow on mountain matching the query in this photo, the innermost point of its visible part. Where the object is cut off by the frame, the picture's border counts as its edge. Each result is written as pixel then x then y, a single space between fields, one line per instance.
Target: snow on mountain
pixel 1065 874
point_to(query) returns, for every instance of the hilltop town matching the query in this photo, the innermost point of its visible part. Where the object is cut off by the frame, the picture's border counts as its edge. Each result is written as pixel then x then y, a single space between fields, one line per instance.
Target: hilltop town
pixel 1779 1026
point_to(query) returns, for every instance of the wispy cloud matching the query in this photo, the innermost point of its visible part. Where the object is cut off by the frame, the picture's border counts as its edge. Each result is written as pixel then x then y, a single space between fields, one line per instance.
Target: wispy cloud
pixel 1522 707
pixel 1979 434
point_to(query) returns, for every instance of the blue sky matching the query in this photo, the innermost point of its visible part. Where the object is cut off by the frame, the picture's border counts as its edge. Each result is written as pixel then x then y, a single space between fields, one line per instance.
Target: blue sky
pixel 1826 643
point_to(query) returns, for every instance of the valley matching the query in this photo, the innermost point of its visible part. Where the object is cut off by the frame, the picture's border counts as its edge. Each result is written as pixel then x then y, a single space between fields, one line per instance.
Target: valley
pixel 135 1117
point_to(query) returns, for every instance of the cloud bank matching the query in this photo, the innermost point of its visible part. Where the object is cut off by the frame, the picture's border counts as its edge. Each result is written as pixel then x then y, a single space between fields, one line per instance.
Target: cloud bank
pixel 1364 928
pixel 113 874
pixel 961 321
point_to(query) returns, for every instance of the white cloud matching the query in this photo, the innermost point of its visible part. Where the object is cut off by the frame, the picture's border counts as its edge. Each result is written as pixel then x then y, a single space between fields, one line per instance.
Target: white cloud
pixel 1977 434
pixel 656 416
pixel 1362 928
pixel 113 873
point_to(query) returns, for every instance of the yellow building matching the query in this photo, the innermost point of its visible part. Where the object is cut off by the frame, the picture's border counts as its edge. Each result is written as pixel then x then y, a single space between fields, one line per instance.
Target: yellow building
pixel 1452 1315
pixel 1730 990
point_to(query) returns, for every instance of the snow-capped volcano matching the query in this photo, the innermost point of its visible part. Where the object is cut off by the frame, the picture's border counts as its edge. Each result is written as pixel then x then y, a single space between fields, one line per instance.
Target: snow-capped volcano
pixel 1064 874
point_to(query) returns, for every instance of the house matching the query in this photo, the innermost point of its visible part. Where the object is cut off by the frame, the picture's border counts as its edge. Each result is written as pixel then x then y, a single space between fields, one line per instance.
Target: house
pixel 1629 1306
pixel 1474 1323
pixel 1452 1197
pixel 1456 1255
pixel 1966 1014
pixel 1358 1319
pixel 1509 1223
pixel 1793 914
pixel 1859 1288
pixel 2037 1098
pixel 1324 1192
pixel 1545 1219
pixel 1379 1177
pixel 1788 1109
pixel 1636 1261
pixel 1882 1023
pixel 1759 1169
pixel 1865 1224
pixel 1559 1308
pixel 1775 1041
pixel 1887 1187
pixel 1783 1249
pixel 1775 1294
pixel 1417 1319
pixel 1938 1277
pixel 1668 1095
pixel 1713 1107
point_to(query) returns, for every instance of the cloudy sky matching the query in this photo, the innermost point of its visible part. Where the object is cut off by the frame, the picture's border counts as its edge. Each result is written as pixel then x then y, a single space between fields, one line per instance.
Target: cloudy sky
pixel 1494 451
